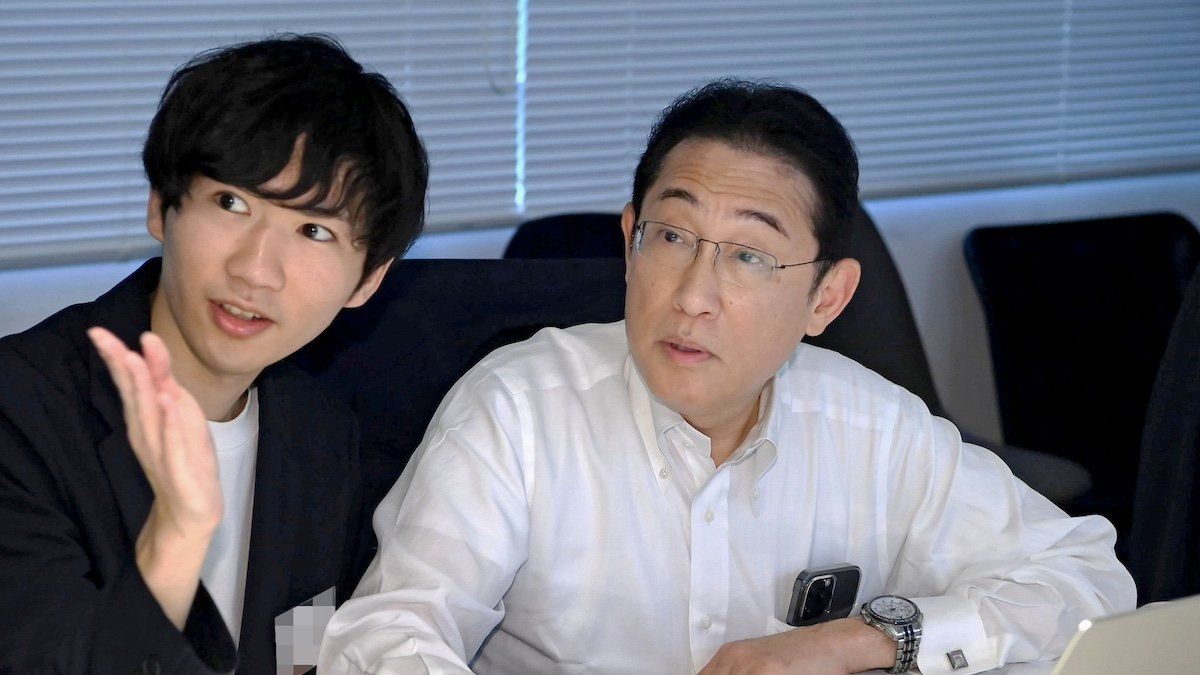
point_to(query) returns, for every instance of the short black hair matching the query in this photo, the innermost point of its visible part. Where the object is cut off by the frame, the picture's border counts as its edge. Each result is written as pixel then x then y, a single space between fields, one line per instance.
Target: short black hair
pixel 235 114
pixel 775 120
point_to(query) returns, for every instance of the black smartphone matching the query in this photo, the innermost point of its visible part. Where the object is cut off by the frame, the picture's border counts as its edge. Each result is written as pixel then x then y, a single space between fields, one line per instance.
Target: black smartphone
pixel 823 593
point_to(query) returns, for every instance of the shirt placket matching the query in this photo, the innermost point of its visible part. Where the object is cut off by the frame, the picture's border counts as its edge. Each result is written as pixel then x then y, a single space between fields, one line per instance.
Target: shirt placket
pixel 709 596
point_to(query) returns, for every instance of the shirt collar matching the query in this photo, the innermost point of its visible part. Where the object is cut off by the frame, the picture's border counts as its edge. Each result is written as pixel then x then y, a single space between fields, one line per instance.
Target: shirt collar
pixel 643 417
pixel 766 429
pixel 765 437
pixel 663 417
pixel 654 419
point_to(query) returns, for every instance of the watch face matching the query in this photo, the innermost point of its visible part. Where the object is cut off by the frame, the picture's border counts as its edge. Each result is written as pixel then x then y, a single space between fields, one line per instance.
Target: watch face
pixel 893 608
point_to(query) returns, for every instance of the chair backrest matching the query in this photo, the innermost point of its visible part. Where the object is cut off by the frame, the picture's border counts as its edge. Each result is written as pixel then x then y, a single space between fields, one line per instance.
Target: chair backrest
pixel 878 328
pixel 1078 315
pixel 568 235
pixel 1164 545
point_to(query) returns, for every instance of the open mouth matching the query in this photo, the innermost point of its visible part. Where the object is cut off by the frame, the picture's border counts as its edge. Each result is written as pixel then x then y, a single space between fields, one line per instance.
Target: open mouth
pixel 685 353
pixel 238 322
pixel 239 313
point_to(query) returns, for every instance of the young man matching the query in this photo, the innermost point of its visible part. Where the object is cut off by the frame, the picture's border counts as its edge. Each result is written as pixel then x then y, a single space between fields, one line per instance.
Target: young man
pixel 639 497
pixel 134 535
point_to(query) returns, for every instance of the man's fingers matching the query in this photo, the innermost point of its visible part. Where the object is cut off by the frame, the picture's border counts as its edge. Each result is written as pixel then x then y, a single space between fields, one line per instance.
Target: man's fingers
pixel 175 456
pixel 147 416
pixel 112 351
pixel 190 419
pixel 189 458
pixel 115 354
pixel 99 335
pixel 158 360
pixel 171 434
pixel 195 424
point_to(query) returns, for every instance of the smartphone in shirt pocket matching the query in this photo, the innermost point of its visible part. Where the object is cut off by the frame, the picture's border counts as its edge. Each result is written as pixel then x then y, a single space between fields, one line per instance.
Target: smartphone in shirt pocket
pixel 823 593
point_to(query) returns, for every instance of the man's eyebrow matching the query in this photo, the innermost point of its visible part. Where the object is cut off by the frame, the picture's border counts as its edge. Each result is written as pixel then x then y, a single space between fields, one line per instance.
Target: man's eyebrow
pixel 323 212
pixel 762 217
pixel 337 213
pixel 679 193
pixel 751 214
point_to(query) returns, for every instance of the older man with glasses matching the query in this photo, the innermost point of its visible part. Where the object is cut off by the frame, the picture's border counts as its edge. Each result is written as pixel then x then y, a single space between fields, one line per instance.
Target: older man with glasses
pixel 640 497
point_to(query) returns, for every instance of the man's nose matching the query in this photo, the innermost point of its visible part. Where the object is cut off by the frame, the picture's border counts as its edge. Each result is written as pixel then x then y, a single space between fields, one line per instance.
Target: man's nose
pixel 699 289
pixel 257 263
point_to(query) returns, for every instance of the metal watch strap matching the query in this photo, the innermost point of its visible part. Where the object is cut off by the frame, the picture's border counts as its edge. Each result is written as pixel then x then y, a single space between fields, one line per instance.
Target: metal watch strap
pixel 906 648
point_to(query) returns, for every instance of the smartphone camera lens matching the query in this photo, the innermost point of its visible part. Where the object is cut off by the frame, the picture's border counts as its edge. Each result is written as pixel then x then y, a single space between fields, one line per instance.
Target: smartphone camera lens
pixel 820 597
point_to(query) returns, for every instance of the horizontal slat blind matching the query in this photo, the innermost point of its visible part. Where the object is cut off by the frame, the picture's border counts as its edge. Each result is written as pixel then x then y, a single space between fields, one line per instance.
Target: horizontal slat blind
pixel 938 95
pixel 79 82
pixel 531 107
pixel 1133 91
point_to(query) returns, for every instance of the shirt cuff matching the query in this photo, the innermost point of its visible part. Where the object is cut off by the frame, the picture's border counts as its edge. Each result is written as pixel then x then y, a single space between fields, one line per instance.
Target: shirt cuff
pixel 950 624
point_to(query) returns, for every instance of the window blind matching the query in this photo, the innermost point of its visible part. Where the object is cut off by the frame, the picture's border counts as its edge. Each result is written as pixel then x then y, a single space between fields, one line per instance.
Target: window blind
pixel 530 107
pixel 1132 102
pixel 79 82
pixel 938 95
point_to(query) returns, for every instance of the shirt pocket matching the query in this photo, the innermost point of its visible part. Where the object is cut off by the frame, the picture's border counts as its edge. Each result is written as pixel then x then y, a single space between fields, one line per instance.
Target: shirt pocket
pixel 775 626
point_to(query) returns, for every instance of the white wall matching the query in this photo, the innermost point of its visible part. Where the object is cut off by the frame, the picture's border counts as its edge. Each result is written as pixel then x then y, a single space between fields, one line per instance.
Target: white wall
pixel 925 235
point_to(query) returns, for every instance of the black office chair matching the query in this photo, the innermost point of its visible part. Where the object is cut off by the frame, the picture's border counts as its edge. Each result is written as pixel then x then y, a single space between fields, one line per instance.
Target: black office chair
pixel 1078 314
pixel 568 235
pixel 1164 543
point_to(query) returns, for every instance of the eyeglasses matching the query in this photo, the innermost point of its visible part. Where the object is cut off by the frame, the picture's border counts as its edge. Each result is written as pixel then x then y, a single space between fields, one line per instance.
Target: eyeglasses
pixel 737 264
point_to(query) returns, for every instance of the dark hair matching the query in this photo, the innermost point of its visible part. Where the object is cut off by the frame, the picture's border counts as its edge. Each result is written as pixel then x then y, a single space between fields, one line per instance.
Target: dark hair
pixel 775 120
pixel 235 114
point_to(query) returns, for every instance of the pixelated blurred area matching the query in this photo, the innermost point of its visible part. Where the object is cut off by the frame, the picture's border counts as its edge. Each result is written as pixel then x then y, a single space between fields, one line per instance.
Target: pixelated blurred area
pixel 298 634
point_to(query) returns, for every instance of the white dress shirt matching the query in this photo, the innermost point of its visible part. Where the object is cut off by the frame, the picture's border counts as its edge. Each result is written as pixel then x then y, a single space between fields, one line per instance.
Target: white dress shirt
pixel 561 519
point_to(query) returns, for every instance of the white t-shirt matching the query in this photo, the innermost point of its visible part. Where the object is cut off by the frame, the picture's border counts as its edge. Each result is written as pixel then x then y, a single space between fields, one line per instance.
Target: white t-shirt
pixel 224 572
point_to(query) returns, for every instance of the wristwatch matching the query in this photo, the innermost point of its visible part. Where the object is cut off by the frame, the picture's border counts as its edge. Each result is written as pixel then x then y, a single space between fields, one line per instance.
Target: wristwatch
pixel 900 619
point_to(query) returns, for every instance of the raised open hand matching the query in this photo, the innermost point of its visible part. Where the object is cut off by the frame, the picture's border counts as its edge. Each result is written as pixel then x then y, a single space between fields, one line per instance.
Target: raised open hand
pixel 169 435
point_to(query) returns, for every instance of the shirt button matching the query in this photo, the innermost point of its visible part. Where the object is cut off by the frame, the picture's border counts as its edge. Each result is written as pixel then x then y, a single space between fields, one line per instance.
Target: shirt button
pixel 705 622
pixel 754 493
pixel 708 518
pixel 664 474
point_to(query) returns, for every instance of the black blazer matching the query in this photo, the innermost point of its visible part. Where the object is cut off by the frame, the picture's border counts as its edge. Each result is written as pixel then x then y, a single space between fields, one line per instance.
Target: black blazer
pixel 73 500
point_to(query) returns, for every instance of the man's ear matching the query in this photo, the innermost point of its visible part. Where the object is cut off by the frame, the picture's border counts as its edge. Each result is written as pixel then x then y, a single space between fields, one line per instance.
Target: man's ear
pixel 369 285
pixel 627 223
pixel 154 215
pixel 833 294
